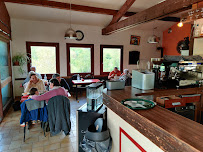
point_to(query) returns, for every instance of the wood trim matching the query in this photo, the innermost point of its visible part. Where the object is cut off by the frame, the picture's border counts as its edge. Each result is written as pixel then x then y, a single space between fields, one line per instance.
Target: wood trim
pixel 19 79
pixel 191 45
pixel 122 11
pixel 198 37
pixel 1 106
pixel 5 24
pixel 66 6
pixel 7 106
pixel 101 57
pixel 158 11
pixel 68 45
pixel 5 82
pixel 28 48
pixel 81 8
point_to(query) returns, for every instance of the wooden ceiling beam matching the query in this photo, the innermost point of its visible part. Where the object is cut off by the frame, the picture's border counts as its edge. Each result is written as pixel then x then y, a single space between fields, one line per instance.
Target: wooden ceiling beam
pixel 158 11
pixel 66 6
pixel 122 11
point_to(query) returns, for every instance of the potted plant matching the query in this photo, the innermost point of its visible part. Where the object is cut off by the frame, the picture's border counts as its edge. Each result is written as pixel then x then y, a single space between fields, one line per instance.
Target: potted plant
pixel 19 60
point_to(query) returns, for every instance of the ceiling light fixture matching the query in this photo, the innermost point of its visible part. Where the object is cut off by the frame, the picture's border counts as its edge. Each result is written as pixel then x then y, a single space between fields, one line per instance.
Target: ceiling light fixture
pixel 70 33
pixel 153 39
pixel 180 24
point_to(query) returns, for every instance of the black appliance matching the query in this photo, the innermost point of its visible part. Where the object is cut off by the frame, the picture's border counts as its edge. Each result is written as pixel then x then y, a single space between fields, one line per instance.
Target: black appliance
pixel 86 118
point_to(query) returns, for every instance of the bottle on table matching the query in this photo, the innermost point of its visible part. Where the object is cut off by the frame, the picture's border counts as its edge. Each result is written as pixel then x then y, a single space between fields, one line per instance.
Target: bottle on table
pixel 78 77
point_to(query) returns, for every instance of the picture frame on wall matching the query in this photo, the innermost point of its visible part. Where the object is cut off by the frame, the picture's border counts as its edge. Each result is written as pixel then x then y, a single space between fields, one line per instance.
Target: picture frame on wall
pixel 134 40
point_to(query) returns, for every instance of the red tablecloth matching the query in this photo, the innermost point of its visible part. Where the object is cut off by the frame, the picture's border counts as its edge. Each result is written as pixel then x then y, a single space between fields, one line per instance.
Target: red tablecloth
pixel 23 98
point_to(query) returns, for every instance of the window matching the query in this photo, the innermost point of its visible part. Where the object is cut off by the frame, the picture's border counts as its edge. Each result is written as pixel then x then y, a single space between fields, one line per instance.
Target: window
pixel 44 56
pixel 6 87
pixel 111 56
pixel 80 58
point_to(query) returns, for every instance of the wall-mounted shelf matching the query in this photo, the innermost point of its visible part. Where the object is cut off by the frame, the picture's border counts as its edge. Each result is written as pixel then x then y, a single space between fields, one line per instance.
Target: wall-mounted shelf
pixel 198 37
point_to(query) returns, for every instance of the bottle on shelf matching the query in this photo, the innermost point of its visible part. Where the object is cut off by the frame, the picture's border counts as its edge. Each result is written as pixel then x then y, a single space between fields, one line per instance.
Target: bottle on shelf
pixel 197 31
pixel 45 77
pixel 201 33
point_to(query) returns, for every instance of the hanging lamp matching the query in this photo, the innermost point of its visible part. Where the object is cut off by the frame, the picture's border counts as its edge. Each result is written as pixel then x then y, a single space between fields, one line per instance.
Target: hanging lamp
pixel 70 33
pixel 153 39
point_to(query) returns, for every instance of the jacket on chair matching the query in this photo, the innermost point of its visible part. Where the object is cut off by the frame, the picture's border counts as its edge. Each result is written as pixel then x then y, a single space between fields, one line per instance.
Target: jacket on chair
pixel 59 115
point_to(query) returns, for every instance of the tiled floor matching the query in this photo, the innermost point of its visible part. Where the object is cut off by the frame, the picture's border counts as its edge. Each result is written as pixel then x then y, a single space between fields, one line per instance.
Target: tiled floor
pixel 11 134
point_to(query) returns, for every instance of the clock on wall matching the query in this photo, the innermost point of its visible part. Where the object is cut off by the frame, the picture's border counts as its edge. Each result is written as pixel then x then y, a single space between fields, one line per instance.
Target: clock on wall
pixel 80 35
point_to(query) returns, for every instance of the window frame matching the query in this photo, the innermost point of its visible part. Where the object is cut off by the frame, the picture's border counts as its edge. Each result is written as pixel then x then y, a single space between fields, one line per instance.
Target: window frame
pixel 56 45
pixel 91 46
pixel 101 57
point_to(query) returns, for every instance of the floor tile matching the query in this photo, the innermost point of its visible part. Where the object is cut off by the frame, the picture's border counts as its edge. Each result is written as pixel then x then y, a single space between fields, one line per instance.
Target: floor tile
pixel 38 149
pixel 52 147
pixel 15 144
pixel 65 149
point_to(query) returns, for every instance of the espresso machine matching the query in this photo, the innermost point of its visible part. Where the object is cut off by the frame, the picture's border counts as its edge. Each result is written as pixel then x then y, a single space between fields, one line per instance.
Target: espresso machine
pixel 177 74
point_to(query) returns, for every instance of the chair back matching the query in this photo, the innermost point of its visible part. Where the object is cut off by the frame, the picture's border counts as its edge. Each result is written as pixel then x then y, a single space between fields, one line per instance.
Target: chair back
pixel 74 77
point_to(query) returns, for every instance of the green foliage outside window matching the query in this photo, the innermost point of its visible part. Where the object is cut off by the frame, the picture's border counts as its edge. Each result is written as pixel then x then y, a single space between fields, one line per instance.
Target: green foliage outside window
pixel 44 59
pixel 111 59
pixel 80 60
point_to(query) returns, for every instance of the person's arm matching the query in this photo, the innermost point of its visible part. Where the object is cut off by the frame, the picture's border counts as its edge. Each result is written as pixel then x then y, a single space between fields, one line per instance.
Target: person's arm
pixel 27 88
pixel 41 86
pixel 42 97
pixel 110 75
pixel 119 73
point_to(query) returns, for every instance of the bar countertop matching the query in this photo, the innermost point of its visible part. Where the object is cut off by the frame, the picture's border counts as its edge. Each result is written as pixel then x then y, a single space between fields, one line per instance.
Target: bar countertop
pixel 168 130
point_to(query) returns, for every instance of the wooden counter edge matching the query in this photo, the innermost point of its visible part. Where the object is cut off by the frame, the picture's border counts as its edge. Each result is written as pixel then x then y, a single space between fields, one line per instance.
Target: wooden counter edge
pixel 163 139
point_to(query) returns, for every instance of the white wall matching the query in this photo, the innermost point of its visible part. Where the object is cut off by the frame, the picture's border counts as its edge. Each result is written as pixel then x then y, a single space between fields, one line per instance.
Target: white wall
pixel 198 42
pixel 38 31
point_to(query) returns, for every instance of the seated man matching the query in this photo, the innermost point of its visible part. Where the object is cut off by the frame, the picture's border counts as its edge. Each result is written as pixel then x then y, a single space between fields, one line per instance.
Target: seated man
pixel 32 69
pixel 114 73
pixel 35 83
pixel 62 81
pixel 55 90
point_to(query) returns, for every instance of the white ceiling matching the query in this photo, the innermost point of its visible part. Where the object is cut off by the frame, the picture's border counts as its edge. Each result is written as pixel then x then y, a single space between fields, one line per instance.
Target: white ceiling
pixel 137 6
pixel 39 13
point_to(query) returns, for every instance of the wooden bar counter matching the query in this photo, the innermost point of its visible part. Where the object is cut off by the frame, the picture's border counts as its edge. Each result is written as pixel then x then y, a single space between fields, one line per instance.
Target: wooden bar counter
pixel 167 130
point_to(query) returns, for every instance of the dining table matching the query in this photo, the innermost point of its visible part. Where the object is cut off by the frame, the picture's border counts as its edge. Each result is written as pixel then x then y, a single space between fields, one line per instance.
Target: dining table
pixel 83 82
pixel 25 96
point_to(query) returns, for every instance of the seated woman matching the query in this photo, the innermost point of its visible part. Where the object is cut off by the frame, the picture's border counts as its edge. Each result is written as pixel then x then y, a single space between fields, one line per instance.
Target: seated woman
pixel 55 90
pixel 35 82
pixel 32 70
pixel 125 75
pixel 62 81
